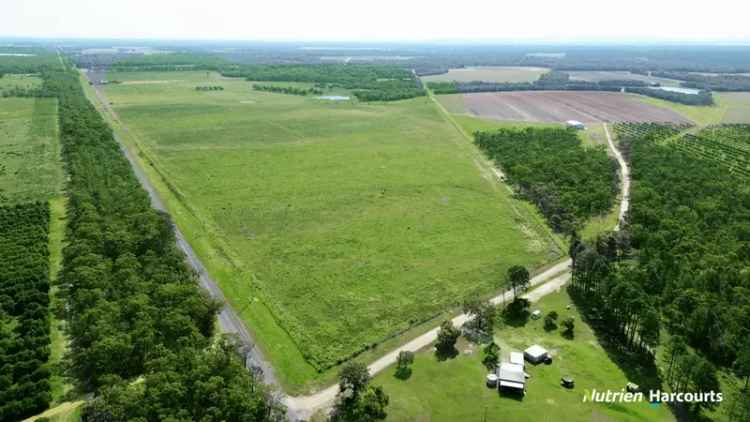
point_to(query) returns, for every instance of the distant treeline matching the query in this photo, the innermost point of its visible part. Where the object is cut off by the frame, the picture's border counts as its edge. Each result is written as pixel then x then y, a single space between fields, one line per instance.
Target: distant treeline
pixel 291 90
pixel 720 82
pixel 164 62
pixel 133 306
pixel 367 82
pixel 560 81
pixel 209 88
pixel 24 314
pixel 567 182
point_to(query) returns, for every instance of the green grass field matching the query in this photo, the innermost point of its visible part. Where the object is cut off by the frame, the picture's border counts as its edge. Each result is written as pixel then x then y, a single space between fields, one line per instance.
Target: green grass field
pixel 730 107
pixel 489 74
pixel 330 226
pixel 30 166
pixel 455 389
pixel 58 339
pixel 19 81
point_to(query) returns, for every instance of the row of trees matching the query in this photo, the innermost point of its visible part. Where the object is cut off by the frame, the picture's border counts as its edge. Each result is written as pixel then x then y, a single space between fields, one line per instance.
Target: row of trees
pixel 702 98
pixel 613 294
pixel 133 306
pixel 209 88
pixel 291 90
pixel 550 167
pixel 24 314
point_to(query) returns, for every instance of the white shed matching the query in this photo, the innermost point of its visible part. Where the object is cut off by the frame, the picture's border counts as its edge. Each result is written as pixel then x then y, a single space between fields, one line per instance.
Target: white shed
pixel 535 354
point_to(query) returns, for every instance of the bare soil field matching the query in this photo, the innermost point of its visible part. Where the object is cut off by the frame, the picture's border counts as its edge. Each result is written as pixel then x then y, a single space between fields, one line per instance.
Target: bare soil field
pixel 559 106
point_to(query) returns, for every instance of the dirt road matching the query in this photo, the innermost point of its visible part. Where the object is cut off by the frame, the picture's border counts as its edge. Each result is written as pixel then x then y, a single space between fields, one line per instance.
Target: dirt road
pixel 624 179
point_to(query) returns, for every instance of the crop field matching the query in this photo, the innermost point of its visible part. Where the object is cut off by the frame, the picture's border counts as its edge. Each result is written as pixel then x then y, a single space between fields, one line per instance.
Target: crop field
pixel 344 222
pixel 454 389
pixel 559 106
pixel 489 74
pixel 728 145
pixel 30 167
pixel 10 81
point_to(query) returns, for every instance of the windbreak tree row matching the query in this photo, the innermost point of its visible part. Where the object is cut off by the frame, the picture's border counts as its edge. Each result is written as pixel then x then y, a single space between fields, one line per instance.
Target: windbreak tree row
pixel 24 315
pixel 549 166
pixel 133 306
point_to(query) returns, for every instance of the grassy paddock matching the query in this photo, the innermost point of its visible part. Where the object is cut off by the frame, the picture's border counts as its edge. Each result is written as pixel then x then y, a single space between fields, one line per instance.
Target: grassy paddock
pixel 454 389
pixel 11 81
pixel 30 166
pixel 330 226
pixel 58 340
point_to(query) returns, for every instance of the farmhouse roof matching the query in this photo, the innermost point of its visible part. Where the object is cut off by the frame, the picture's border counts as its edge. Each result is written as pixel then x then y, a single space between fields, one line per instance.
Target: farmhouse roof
pixel 516 358
pixel 511 372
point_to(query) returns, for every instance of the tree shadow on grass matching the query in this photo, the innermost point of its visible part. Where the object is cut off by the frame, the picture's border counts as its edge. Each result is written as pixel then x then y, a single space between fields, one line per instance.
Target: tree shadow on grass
pixel 443 355
pixel 403 373
pixel 516 314
pixel 516 320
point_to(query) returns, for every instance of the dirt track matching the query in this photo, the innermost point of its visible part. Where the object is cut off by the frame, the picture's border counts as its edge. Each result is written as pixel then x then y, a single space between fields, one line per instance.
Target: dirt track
pixel 559 106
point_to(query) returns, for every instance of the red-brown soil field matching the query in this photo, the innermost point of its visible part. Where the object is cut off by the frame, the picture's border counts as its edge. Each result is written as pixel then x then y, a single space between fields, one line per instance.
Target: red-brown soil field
pixel 559 106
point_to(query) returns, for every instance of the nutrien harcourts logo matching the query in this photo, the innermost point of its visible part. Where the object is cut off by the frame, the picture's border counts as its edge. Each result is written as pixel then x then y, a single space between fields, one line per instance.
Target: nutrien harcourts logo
pixel 653 396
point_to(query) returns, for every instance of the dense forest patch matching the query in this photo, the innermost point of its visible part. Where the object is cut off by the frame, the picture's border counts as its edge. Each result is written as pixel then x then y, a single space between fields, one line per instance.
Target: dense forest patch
pixel 681 262
pixel 569 183
pixel 24 317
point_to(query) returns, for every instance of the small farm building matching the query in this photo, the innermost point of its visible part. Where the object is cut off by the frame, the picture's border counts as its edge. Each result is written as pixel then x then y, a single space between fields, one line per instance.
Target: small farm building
pixel 535 354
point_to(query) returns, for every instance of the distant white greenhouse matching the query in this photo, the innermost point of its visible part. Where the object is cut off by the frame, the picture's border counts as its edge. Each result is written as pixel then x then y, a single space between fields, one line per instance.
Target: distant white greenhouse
pixel 575 124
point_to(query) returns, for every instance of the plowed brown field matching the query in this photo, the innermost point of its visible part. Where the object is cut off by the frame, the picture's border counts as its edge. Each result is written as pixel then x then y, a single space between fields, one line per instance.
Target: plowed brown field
pixel 559 106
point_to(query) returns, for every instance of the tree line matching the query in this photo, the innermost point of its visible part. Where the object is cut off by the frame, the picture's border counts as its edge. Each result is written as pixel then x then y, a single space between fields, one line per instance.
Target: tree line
pixel 24 314
pixel 549 166
pixel 209 88
pixel 134 308
pixel 702 98
pixel 291 90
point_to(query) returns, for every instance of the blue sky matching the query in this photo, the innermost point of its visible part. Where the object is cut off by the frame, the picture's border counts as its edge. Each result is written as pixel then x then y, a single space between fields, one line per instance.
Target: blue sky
pixel 382 20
